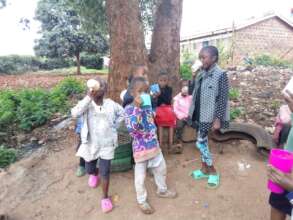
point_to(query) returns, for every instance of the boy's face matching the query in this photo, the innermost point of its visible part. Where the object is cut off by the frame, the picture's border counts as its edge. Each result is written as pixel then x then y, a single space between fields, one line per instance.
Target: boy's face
pixel 139 89
pixel 163 81
pixel 207 59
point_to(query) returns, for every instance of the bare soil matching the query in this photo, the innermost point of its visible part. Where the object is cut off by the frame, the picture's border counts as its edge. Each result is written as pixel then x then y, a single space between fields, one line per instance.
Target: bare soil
pixel 44 186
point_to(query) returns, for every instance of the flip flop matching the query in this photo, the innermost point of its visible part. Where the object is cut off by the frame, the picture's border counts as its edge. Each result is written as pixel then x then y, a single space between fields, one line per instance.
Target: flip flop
pixel 106 205
pixel 198 175
pixel 213 181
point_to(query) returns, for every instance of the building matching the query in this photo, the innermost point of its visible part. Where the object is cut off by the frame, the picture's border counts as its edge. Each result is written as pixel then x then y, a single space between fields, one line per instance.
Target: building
pixel 272 34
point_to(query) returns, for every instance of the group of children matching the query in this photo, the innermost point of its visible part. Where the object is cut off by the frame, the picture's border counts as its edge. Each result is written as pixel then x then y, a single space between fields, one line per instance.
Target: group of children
pixel 146 110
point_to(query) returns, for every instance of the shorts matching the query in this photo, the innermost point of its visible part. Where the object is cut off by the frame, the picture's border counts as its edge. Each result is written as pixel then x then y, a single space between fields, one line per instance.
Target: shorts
pixel 280 202
pixel 104 167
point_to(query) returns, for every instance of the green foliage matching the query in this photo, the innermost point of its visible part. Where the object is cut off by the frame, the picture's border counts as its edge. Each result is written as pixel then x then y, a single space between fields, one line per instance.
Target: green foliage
pixel 188 58
pixel 33 109
pixel 21 64
pixel 91 61
pixel 70 86
pixel 268 60
pixel 185 71
pixel 30 108
pixel 7 156
pixel 224 55
pixel 7 108
pixel 62 32
pixel 234 94
pixel 236 112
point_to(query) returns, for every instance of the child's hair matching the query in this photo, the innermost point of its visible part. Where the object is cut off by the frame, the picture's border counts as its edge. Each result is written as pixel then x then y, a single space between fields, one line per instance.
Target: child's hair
pixel 135 81
pixel 212 50
pixel 163 73
pixel 129 79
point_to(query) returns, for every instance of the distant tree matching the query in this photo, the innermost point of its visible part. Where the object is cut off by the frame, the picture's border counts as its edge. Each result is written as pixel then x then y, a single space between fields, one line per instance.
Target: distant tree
pixel 63 34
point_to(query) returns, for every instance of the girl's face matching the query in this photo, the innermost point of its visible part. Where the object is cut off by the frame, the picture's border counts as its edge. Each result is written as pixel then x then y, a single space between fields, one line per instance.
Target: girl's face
pixel 101 92
pixel 207 59
pixel 140 88
pixel 163 81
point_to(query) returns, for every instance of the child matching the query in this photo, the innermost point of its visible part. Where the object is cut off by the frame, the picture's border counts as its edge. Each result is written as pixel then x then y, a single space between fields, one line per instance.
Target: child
pixel 139 71
pixel 165 116
pixel 209 109
pixel 280 205
pixel 81 168
pixel 181 105
pixel 99 139
pixel 146 150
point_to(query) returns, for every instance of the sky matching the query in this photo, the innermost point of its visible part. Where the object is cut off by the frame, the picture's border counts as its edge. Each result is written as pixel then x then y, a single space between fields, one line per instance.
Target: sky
pixel 198 16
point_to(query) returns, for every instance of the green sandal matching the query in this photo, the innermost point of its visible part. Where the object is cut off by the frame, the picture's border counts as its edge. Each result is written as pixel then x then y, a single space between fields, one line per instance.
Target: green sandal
pixel 80 171
pixel 198 175
pixel 213 181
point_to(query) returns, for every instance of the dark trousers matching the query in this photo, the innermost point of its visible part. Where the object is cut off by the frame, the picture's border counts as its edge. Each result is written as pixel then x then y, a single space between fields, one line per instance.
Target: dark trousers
pixel 180 124
pixel 104 167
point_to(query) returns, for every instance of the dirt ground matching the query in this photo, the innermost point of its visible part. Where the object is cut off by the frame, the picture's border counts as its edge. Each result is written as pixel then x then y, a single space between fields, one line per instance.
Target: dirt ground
pixel 44 187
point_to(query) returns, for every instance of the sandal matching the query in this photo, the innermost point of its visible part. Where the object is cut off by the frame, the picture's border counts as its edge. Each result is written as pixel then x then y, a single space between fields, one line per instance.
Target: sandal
pixel 93 181
pixel 80 171
pixel 198 175
pixel 146 208
pixel 106 205
pixel 213 181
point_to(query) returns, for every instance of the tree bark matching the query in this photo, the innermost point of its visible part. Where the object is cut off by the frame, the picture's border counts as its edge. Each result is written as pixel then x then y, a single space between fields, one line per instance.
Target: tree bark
pixel 127 46
pixel 77 56
pixel 165 47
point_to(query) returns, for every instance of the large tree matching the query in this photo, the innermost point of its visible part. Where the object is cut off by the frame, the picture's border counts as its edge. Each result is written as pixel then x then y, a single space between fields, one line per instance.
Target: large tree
pixel 63 34
pixel 128 21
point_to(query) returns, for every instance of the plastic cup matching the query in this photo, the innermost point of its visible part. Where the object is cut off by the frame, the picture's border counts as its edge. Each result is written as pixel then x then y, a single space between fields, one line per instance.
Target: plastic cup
pixel 283 161
pixel 146 100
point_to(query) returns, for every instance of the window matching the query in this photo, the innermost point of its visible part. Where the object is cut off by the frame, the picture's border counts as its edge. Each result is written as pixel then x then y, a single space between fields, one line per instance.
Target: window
pixel 194 46
pixel 205 43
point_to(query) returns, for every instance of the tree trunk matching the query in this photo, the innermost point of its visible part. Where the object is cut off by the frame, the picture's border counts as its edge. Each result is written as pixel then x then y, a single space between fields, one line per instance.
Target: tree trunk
pixel 165 47
pixel 127 46
pixel 78 63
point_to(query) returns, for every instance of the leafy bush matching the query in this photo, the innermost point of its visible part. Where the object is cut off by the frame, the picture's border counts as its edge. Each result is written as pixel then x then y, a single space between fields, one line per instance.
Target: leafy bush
pixel 70 86
pixel 91 61
pixel 7 156
pixel 7 108
pixel 57 63
pixel 267 60
pixel 16 64
pixel 20 64
pixel 236 113
pixel 185 71
pixel 33 109
pixel 30 108
pixel 234 94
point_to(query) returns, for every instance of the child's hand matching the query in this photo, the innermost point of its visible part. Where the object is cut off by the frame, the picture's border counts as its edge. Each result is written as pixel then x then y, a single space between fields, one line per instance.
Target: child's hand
pixel 216 125
pixel 137 101
pixel 283 179
pixel 91 93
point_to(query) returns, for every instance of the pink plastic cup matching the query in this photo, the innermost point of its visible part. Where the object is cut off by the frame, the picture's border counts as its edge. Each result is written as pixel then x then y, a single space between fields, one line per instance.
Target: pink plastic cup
pixel 283 161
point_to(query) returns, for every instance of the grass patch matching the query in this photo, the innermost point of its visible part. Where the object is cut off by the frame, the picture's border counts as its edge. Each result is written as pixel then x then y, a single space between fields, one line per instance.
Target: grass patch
pixel 236 112
pixel 72 71
pixel 234 94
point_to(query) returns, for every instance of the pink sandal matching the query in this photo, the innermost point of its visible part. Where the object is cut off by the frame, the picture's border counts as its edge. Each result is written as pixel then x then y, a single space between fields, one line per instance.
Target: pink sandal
pixel 106 205
pixel 93 181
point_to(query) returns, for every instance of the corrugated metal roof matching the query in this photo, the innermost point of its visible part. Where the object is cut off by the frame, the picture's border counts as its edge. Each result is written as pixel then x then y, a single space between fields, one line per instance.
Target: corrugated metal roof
pixel 236 27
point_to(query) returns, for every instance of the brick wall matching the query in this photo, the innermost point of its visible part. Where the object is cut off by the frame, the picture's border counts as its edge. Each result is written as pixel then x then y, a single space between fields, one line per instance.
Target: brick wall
pixel 271 36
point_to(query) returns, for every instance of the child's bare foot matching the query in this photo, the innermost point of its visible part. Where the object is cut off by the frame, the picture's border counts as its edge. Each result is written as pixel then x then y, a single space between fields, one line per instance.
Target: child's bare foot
pixel 146 208
pixel 204 168
pixel 167 194
pixel 176 148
